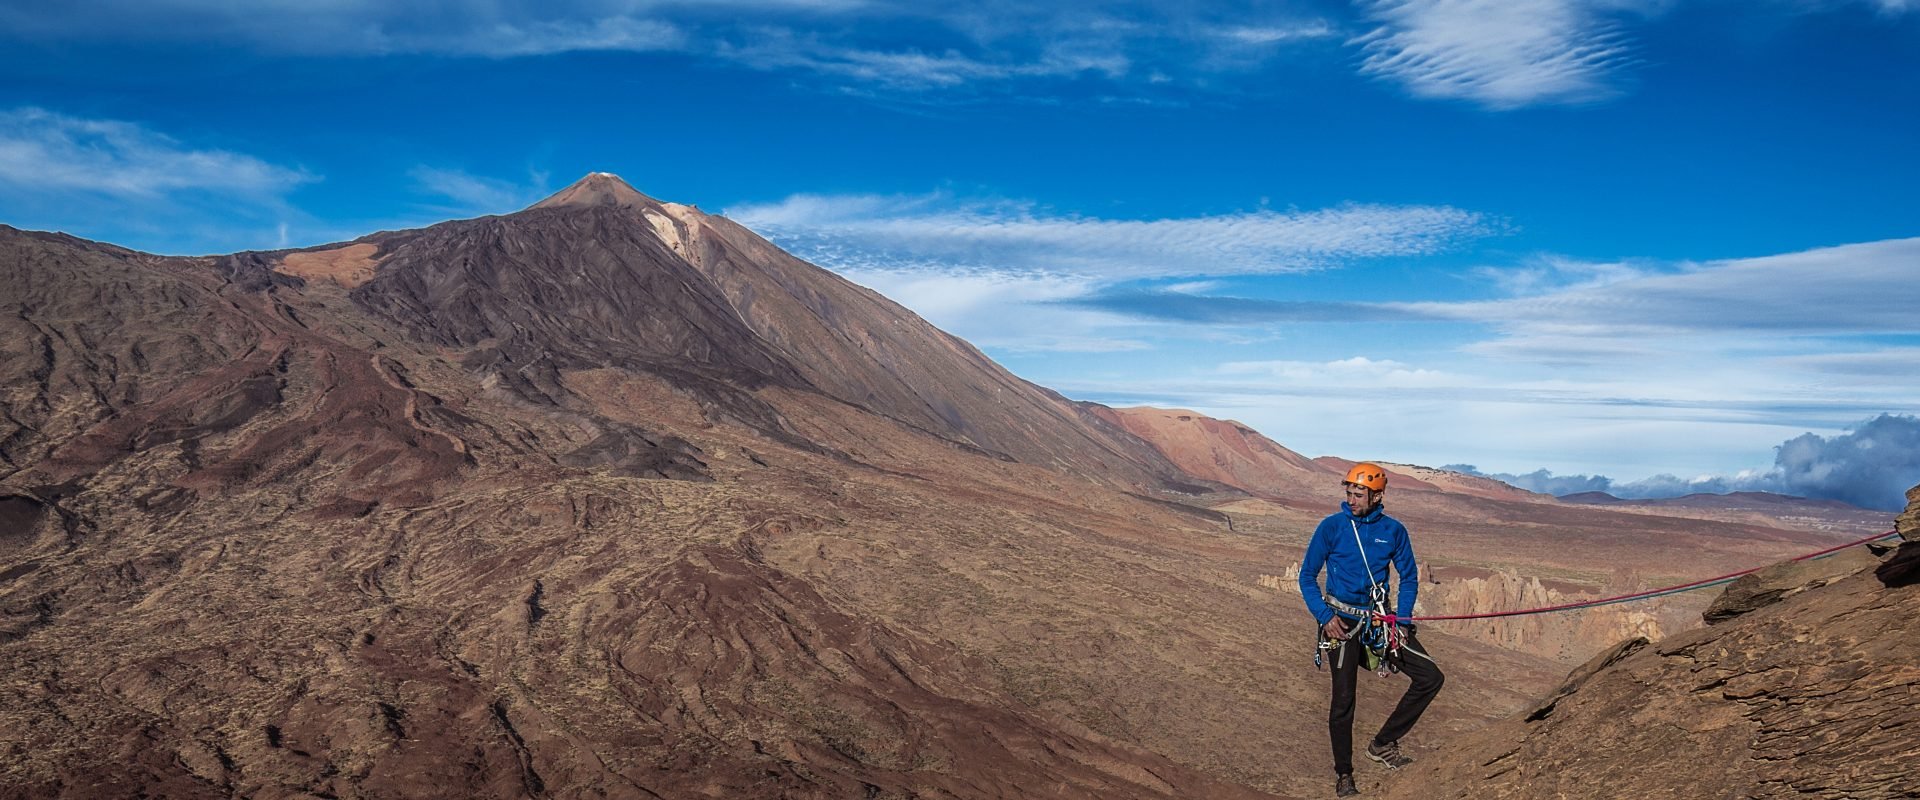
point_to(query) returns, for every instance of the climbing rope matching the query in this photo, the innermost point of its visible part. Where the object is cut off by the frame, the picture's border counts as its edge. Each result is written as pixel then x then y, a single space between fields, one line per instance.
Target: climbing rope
pixel 1651 593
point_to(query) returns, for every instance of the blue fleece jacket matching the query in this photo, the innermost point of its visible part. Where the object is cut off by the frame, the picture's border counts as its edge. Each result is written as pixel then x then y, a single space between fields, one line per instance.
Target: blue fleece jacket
pixel 1334 547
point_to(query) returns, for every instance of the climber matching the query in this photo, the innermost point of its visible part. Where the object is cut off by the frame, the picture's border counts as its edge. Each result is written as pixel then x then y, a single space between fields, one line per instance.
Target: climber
pixel 1356 546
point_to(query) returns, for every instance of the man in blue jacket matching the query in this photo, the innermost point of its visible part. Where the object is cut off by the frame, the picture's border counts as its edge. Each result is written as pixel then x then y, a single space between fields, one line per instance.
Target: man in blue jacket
pixel 1355 547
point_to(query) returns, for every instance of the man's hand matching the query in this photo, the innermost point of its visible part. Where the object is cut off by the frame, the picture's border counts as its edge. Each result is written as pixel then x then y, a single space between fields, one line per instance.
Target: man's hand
pixel 1334 629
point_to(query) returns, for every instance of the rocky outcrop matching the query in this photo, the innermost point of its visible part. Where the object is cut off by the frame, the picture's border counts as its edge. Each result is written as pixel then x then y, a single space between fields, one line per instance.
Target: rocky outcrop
pixel 1809 697
pixel 1908 523
pixel 1902 568
pixel 1585 672
pixel 1784 580
pixel 1564 637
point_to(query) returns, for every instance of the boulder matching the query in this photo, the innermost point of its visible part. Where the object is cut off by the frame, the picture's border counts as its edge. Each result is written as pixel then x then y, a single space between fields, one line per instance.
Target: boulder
pixel 1784 580
pixel 1585 672
pixel 1903 569
pixel 1908 523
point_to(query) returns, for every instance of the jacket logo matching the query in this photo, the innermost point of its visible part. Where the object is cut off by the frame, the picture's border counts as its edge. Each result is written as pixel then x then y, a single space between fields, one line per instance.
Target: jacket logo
pixel 1379 541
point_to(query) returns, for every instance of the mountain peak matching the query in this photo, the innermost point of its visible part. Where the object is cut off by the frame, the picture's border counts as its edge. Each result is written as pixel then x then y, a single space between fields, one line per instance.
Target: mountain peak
pixel 598 189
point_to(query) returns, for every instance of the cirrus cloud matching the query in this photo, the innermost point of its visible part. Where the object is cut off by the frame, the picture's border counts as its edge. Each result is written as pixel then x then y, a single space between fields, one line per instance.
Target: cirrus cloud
pixel 875 45
pixel 941 231
pixel 47 151
pixel 119 180
pixel 1500 53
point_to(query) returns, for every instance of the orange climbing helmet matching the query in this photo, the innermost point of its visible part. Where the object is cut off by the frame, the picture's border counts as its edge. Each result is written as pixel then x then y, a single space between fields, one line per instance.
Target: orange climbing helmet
pixel 1368 474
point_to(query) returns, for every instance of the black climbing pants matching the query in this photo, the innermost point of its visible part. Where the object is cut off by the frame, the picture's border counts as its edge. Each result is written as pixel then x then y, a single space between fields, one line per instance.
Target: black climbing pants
pixel 1412 661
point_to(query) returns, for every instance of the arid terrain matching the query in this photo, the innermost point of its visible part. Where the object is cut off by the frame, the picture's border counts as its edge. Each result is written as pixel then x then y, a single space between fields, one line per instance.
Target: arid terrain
pixel 613 498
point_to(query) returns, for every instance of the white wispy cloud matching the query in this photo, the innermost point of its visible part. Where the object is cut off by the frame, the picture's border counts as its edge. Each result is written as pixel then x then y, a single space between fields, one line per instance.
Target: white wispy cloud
pixel 941 231
pixel 874 45
pixel 476 194
pixel 1274 34
pixel 1850 289
pixel 1014 277
pixel 1554 273
pixel 1005 311
pixel 1248 45
pixel 1359 370
pixel 128 183
pixel 507 39
pixel 1501 53
pixel 498 29
pixel 1193 287
pixel 1583 366
pixel 1872 363
pixel 48 151
pixel 909 68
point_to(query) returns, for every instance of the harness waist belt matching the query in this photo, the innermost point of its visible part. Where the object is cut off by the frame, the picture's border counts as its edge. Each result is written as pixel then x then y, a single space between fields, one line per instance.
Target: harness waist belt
pixel 1350 610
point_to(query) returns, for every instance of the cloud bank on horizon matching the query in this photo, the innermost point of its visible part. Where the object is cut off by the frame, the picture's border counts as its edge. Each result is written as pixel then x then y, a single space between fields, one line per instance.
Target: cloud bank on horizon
pixel 1871 466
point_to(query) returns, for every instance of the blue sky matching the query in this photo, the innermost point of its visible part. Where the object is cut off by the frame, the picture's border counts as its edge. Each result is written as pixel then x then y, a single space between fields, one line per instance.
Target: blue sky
pixel 1614 237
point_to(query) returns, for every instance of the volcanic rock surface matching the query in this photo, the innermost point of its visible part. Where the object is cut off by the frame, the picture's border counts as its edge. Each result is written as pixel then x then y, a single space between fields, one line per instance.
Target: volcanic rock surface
pixel 611 497
pixel 1808 697
pixel 1784 580
pixel 1908 523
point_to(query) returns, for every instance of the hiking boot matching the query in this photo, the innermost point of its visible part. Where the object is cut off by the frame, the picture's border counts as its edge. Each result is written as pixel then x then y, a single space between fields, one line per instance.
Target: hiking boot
pixel 1343 787
pixel 1388 754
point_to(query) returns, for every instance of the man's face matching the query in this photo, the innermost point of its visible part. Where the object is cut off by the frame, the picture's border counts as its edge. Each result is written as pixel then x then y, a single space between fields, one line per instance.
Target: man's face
pixel 1361 498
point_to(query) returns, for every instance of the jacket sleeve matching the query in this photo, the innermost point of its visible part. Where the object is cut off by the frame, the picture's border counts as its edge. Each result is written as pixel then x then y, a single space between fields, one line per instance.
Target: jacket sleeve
pixel 1409 570
pixel 1310 566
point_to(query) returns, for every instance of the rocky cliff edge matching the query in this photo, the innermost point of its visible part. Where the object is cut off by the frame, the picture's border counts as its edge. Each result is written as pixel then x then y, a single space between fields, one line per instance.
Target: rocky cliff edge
pixel 1809 697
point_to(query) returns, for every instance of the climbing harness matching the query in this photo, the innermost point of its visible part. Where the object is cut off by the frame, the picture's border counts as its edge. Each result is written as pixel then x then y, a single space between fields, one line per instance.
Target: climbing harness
pixel 1376 629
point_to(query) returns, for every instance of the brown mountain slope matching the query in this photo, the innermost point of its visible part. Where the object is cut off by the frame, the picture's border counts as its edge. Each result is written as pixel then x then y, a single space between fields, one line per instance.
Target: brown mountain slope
pixel 601 275
pixel 1226 452
pixel 610 497
pixel 267 595
pixel 1810 697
